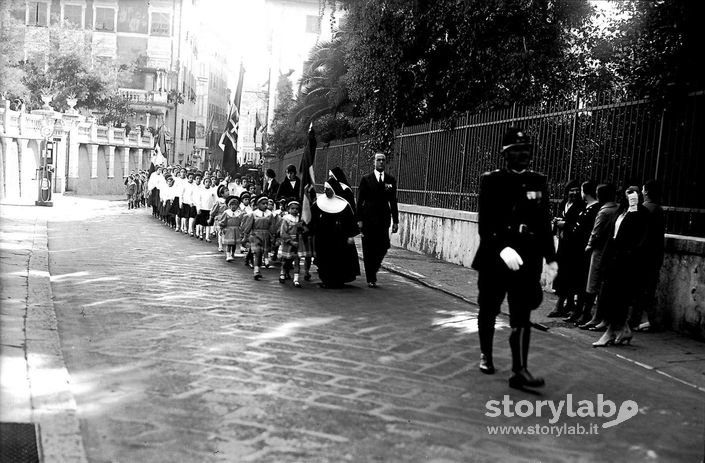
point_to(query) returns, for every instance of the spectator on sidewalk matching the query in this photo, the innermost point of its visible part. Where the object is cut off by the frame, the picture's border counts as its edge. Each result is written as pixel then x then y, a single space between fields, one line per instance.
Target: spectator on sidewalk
pixel 515 236
pixel 625 263
pixel 376 211
pixel 597 242
pixel 653 259
pixel 567 283
pixel 581 235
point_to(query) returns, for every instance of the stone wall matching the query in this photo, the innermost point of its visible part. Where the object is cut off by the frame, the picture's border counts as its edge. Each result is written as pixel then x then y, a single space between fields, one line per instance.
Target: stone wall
pixel 453 236
pixel 682 286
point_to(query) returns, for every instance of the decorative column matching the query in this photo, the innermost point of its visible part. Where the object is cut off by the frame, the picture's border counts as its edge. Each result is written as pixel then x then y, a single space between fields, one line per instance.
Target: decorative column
pixel 111 160
pixel 22 151
pixel 126 161
pixel 139 158
pixel 72 165
pixel 59 181
pixel 12 169
pixel 93 153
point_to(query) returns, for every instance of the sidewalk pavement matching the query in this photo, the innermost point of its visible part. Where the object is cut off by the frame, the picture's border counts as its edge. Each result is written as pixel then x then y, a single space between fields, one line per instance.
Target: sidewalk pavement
pixel 667 353
pixel 35 382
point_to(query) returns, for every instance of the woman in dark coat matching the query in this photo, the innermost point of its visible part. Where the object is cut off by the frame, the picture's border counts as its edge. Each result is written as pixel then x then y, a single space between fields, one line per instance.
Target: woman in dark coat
pixel 568 282
pixel 624 256
pixel 334 227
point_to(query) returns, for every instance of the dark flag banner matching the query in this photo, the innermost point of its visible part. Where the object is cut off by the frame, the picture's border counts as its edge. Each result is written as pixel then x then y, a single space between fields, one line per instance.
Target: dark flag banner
pixel 258 127
pixel 228 140
pixel 308 178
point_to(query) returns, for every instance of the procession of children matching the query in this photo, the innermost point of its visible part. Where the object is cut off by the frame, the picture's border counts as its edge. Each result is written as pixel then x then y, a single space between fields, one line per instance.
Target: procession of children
pixel 206 207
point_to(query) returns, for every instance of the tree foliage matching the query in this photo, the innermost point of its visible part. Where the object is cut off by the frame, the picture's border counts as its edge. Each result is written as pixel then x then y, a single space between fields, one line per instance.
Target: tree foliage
pixel 286 136
pixel 657 48
pixel 64 68
pixel 400 62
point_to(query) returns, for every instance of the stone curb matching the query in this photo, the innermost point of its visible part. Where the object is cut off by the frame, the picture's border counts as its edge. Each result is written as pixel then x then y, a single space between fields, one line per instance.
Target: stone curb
pixel 53 404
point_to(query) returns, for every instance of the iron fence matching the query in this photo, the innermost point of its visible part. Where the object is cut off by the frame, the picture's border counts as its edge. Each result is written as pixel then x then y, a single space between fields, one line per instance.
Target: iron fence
pixel 625 143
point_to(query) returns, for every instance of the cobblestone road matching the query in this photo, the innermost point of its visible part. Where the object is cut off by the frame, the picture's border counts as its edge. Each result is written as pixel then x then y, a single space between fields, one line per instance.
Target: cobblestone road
pixel 178 356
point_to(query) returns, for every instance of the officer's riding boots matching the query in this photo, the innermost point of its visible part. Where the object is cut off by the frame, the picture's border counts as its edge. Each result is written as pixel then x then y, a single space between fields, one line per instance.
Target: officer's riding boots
pixel 519 343
pixel 485 330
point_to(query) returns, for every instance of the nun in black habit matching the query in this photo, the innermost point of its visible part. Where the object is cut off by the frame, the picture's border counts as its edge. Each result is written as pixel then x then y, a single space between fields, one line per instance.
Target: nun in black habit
pixel 334 227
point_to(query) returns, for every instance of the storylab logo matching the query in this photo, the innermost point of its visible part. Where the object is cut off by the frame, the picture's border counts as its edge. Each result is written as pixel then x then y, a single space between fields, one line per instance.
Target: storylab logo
pixel 600 408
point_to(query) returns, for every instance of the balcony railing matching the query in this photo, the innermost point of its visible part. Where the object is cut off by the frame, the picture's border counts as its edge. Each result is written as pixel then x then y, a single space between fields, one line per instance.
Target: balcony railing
pixel 137 96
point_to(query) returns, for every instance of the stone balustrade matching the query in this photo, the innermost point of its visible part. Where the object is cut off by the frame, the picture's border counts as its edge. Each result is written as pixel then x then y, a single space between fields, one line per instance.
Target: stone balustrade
pixel 29 126
pixel 88 158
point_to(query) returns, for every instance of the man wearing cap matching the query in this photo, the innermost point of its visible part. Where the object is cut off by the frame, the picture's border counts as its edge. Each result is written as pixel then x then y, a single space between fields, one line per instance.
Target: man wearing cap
pixel 515 236
pixel 291 186
pixel 376 211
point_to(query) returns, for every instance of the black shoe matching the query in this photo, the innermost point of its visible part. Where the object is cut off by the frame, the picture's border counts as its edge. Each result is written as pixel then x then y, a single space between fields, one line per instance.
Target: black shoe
pixel 523 379
pixel 486 365
pixel 307 277
pixel 572 318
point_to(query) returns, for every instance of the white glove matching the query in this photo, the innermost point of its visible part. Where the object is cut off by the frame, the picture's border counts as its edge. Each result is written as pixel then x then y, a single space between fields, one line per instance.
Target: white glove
pixel 511 258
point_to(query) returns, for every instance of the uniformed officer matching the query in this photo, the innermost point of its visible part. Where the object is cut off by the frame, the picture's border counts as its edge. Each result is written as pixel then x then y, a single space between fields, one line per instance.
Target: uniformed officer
pixel 515 237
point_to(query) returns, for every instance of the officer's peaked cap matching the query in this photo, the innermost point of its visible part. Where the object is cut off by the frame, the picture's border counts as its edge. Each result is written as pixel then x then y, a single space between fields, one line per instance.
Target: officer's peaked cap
pixel 515 137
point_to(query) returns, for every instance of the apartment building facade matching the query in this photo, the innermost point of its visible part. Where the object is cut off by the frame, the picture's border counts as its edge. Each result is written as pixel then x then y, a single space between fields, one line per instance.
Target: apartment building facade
pixel 169 87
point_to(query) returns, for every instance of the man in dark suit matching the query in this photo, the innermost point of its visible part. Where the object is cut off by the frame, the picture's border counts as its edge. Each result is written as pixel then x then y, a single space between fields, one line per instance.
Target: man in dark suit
pixel 291 186
pixel 376 211
pixel 271 186
pixel 515 236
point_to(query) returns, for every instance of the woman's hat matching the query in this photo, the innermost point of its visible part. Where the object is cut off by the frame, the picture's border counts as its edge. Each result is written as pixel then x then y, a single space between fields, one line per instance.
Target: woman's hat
pixel 261 198
pixel 231 199
pixel 244 195
pixel 292 203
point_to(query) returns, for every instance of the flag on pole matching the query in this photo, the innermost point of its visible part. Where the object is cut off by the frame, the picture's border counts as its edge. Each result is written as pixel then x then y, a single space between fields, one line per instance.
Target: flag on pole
pixel 308 178
pixel 258 126
pixel 228 140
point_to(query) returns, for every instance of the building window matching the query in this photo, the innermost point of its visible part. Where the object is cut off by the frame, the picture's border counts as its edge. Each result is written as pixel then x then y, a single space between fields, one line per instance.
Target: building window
pixel 38 14
pixel 313 24
pixel 105 19
pixel 160 24
pixel 73 15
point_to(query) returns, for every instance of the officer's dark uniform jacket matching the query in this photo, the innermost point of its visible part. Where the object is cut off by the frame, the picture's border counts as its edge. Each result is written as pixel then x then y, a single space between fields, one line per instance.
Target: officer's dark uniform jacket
pixel 514 211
